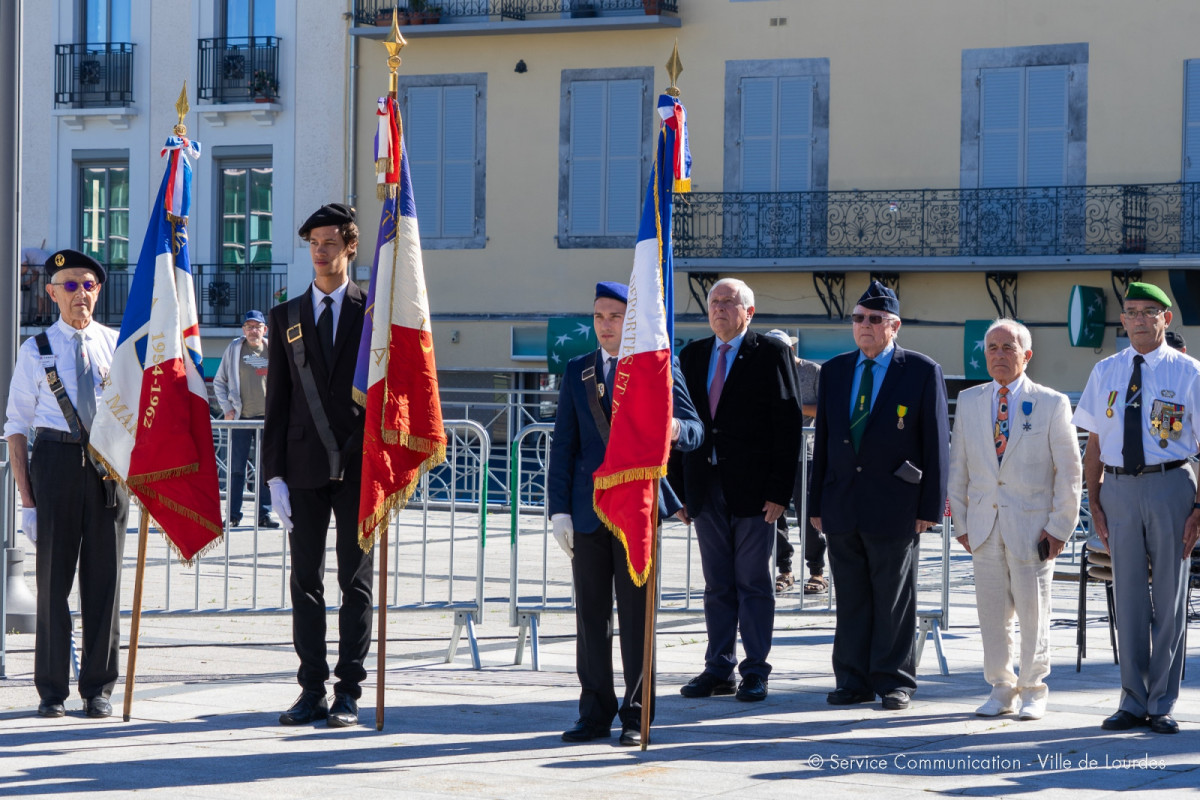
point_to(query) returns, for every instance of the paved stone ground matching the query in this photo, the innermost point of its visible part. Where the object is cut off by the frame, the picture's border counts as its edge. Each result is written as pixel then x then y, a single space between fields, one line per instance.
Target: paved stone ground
pixel 210 687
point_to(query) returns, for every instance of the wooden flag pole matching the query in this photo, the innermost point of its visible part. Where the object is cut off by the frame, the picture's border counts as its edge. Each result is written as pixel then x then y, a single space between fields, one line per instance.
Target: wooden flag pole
pixel 651 637
pixel 381 665
pixel 139 576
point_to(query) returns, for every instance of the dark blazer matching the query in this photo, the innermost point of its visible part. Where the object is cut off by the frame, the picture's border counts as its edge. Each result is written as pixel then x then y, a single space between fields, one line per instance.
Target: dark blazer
pixel 291 448
pixel 757 427
pixel 577 450
pixel 860 491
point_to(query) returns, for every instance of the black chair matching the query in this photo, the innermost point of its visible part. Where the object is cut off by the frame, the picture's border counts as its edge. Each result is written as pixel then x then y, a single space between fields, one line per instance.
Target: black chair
pixel 1095 565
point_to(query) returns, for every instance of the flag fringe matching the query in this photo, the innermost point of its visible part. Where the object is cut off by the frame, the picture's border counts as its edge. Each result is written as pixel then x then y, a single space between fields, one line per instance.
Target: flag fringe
pixel 175 219
pixel 417 443
pixel 683 185
pixel 384 165
pixel 359 396
pixel 385 191
pixel 639 580
pixel 174 472
pixel 183 511
pixel 368 529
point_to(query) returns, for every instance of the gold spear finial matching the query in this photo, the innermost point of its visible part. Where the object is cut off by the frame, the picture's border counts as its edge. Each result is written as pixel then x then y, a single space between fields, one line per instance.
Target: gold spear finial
pixel 674 67
pixel 181 108
pixel 394 42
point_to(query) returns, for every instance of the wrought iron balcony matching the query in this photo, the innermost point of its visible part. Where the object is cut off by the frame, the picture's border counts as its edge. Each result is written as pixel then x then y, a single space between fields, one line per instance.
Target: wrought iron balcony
pixel 425 12
pixel 225 292
pixel 1025 222
pixel 239 70
pixel 93 75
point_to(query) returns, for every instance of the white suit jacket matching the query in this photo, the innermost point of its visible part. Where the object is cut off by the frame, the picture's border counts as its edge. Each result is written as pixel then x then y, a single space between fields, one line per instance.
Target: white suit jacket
pixel 1037 486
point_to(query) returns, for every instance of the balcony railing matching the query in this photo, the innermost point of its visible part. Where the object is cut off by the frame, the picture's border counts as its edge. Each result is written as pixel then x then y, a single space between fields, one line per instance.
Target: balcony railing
pixel 1162 218
pixel 224 293
pixel 425 12
pixel 239 70
pixel 93 75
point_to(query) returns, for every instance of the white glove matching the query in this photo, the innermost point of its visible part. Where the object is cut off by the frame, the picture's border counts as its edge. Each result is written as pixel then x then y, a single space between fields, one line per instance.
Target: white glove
pixel 281 502
pixel 29 524
pixel 564 533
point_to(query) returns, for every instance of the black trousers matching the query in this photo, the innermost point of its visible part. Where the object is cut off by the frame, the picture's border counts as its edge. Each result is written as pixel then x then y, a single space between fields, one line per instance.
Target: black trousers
pixel 311 509
pixel 599 565
pixel 874 640
pixel 75 527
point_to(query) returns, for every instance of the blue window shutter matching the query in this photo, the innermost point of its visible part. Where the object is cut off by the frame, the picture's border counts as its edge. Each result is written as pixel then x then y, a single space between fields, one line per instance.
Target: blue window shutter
pixel 759 130
pixel 1191 121
pixel 423 140
pixel 458 161
pixel 1000 127
pixel 1046 125
pixel 795 135
pixel 586 174
pixel 624 167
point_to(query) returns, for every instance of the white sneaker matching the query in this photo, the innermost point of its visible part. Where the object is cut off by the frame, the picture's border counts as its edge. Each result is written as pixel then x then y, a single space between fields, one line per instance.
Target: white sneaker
pixel 1033 709
pixel 995 706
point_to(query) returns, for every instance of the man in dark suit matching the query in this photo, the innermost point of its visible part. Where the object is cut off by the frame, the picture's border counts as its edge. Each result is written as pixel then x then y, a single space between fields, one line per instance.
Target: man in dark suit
pixel 312 457
pixel 598 557
pixel 880 462
pixel 737 484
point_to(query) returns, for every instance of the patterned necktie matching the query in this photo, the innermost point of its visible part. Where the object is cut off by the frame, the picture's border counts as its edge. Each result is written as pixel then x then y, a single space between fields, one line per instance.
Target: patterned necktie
pixel 862 404
pixel 325 332
pixel 85 385
pixel 1134 450
pixel 1000 431
pixel 718 380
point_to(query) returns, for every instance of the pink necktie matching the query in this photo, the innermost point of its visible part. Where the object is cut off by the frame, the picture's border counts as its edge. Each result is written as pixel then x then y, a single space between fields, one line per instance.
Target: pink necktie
pixel 718 381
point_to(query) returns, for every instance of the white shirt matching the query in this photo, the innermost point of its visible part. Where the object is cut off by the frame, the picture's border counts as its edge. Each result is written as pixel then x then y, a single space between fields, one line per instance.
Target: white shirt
pixel 1168 376
pixel 31 404
pixel 338 295
pixel 1014 390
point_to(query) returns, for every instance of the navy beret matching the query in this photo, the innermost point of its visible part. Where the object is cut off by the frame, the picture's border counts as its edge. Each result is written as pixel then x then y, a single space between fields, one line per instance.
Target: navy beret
pixel 73 259
pixel 878 297
pixel 254 315
pixel 328 214
pixel 617 291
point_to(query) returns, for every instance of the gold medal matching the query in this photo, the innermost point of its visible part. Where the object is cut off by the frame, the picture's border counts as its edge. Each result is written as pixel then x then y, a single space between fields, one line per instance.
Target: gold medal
pixel 1108 413
pixel 1176 425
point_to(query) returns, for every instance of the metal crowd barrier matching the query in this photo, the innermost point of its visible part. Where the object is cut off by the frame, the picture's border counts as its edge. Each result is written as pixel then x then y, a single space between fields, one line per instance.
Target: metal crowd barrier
pixel 7 518
pixel 540 574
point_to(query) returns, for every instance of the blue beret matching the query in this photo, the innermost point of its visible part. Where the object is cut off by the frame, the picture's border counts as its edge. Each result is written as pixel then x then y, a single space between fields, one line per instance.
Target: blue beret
pixel 254 315
pixel 1147 291
pixel 73 259
pixel 617 291
pixel 878 297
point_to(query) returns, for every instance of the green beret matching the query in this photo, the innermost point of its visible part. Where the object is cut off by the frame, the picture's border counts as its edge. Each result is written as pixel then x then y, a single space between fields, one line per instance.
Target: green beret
pixel 1147 291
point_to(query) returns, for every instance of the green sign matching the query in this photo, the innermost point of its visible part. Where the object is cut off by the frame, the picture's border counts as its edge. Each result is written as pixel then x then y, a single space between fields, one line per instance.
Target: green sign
pixel 974 357
pixel 1085 316
pixel 567 337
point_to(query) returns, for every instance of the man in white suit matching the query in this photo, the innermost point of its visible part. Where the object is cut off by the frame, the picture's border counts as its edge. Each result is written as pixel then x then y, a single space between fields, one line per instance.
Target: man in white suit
pixel 1015 483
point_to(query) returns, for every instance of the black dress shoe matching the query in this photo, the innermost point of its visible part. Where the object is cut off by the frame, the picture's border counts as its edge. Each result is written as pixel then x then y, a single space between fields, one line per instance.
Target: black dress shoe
pixel 584 731
pixel 752 688
pixel 706 685
pixel 896 700
pixel 235 520
pixel 631 737
pixel 51 710
pixel 97 708
pixel 344 711
pixel 267 521
pixel 848 697
pixel 1163 723
pixel 309 706
pixel 1124 721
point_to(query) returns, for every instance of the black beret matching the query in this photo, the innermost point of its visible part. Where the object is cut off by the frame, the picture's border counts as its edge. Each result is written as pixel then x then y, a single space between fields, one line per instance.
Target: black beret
pixel 73 259
pixel 878 297
pixel 1175 339
pixel 328 214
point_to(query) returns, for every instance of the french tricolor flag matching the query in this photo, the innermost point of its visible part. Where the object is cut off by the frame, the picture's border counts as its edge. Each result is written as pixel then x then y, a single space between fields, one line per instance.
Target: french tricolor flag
pixel 626 484
pixel 152 429
pixel 396 376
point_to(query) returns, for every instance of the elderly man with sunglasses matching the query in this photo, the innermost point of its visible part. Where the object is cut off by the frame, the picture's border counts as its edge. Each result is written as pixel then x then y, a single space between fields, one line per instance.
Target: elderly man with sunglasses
pixel 72 512
pixel 880 458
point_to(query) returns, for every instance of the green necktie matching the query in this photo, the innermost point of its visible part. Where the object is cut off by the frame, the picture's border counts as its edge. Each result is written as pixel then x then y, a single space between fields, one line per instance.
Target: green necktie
pixel 862 404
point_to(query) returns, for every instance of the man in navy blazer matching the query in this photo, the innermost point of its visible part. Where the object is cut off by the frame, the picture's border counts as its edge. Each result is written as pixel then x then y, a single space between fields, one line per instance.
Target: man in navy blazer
pixel 597 556
pixel 738 483
pixel 880 463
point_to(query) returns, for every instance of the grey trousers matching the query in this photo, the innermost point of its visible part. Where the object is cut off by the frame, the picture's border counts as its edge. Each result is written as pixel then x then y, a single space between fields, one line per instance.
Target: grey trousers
pixel 1146 515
